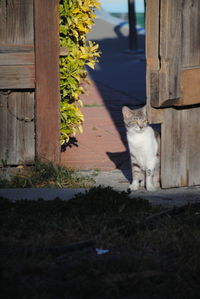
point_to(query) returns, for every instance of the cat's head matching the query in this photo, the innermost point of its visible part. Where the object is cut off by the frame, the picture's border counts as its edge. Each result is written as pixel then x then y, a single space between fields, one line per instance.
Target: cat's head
pixel 135 119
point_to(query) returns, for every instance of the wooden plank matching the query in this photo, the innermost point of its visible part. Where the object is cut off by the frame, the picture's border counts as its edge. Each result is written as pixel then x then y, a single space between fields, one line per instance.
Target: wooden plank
pixel 190 34
pixel 174 147
pixel 17 48
pixel 180 155
pixel 177 25
pixel 4 150
pixel 170 50
pixel 16 25
pixel 47 80
pixel 17 77
pixel 190 86
pixel 176 82
pixel 155 116
pixel 3 21
pixel 193 127
pixel 17 58
pixel 152 58
pixel 152 40
pixel 17 128
pixel 17 141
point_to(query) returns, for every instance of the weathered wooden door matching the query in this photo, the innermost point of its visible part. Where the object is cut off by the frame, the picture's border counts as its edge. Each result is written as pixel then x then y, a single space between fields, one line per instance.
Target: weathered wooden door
pixel 29 81
pixel 173 86
pixel 17 82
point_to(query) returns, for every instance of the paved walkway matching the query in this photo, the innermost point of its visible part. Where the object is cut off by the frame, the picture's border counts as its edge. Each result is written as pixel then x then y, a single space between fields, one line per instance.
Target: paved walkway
pixel 119 79
pixel 166 198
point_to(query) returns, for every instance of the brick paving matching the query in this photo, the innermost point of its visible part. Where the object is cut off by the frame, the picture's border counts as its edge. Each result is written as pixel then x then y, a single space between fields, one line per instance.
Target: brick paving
pixel 102 145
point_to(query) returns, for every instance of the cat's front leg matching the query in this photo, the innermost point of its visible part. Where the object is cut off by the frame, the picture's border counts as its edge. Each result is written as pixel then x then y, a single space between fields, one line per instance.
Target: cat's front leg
pixel 134 186
pixel 136 172
pixel 149 180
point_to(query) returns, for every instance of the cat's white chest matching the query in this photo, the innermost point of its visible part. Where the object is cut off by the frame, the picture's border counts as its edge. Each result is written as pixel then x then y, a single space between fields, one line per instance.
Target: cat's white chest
pixel 143 146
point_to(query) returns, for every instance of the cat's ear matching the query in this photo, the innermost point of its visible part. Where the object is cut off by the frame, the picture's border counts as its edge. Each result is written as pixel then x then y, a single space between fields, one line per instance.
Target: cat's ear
pixel 127 112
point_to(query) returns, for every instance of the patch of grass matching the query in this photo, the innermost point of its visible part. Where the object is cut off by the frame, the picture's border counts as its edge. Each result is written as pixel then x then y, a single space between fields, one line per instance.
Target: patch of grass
pixel 46 175
pixel 146 259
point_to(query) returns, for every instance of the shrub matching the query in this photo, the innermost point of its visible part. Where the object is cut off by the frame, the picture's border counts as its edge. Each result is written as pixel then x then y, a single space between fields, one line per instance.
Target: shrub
pixel 76 20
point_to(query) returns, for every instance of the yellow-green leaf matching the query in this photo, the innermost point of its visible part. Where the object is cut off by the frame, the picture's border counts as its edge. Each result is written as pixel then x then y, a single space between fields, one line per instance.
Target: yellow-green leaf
pixel 76 10
pixel 81 27
pixel 84 56
pixel 90 64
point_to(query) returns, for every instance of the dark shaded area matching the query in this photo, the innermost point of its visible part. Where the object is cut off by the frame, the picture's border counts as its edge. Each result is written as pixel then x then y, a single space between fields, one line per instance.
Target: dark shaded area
pixel 151 252
pixel 72 142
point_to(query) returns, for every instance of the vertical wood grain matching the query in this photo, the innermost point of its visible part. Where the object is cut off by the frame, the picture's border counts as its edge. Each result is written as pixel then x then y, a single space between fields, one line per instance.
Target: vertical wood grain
pixel 174 147
pixel 190 86
pixel 152 34
pixel 180 154
pixel 47 80
pixel 17 132
pixel 17 129
pixel 175 83
pixel 152 58
pixel 2 21
pixel 193 146
pixel 179 49
pixel 16 22
pixel 3 128
pixel 190 35
pixel 170 49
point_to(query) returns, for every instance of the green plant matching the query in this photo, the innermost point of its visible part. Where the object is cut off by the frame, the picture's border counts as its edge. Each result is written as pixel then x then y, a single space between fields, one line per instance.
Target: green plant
pixel 71 120
pixel 76 20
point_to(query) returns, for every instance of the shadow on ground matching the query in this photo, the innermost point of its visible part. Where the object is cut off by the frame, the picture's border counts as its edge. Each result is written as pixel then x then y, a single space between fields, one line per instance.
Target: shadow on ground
pixel 120 77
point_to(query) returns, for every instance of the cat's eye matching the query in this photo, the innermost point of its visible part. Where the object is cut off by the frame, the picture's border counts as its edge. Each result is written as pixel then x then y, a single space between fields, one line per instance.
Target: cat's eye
pixel 145 121
pixel 133 122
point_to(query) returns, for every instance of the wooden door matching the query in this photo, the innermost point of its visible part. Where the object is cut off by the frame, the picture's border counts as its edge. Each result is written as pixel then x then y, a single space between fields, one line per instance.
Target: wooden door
pixel 29 81
pixel 173 86
pixel 17 76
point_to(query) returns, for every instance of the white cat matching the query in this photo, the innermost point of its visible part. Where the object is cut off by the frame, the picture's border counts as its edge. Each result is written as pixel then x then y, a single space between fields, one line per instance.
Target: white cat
pixel 144 147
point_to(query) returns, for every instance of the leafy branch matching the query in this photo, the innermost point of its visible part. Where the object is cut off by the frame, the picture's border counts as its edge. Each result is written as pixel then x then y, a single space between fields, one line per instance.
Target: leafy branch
pixel 76 20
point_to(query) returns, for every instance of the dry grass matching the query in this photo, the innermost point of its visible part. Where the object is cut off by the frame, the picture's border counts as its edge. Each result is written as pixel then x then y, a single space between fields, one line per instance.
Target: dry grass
pixel 45 175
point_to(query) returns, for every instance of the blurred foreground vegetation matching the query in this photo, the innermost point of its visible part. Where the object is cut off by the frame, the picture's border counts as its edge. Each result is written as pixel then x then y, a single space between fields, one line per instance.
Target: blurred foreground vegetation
pixel 152 252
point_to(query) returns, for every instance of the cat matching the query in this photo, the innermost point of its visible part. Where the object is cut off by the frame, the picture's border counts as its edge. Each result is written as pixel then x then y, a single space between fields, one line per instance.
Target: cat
pixel 144 148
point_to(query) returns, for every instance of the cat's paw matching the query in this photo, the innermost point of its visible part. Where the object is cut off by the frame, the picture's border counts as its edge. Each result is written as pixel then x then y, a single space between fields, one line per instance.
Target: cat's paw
pixel 151 187
pixel 134 186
